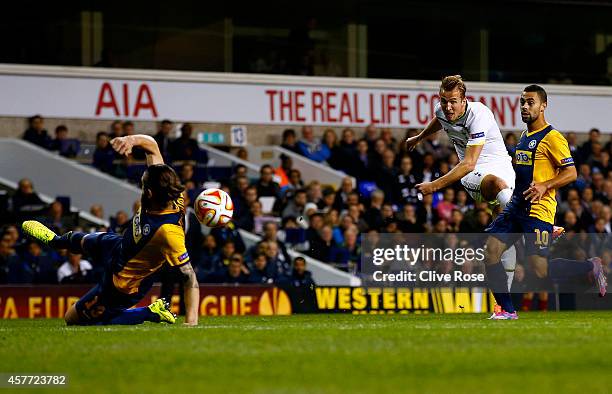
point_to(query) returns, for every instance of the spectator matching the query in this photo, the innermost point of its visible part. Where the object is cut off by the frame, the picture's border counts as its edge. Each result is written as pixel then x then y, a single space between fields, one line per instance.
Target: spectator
pixel 35 266
pixel 186 173
pixel 62 144
pixel 266 186
pixel 314 193
pixel 348 254
pixel 341 197
pixel 387 136
pixel 296 206
pixel 300 277
pixel 444 209
pixel 362 163
pixel 8 255
pixel 36 133
pixel 26 202
pixel 259 272
pixel 229 233
pixel 208 256
pixel 232 274
pixel 244 218
pixel 346 150
pixel 279 264
pixel 283 171
pixel 225 256
pixel 330 140
pixel 407 179
pixel 259 218
pixel 311 147
pixel 573 145
pixel 104 155
pixel 387 177
pixel 75 270
pixel 510 141
pixel 408 221
pixel 586 149
pixel 163 138
pixel 270 234
pixel 185 147
pixel 290 141
pixel 321 247
pixel 55 218
pixel 120 222
pixel 242 154
pixel 97 210
pixel 373 215
pixel 370 136
pixel 116 130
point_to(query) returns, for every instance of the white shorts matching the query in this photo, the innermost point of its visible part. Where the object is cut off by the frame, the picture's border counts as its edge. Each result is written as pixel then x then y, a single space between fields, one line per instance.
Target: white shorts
pixel 471 182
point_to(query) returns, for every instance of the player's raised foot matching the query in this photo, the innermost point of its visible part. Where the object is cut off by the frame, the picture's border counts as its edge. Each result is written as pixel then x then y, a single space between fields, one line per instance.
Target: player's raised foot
pixel 503 315
pixel 557 233
pixel 161 307
pixel 599 276
pixel 38 231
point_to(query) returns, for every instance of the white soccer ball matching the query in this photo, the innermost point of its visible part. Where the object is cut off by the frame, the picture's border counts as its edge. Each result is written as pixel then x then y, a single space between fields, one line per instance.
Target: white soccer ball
pixel 214 207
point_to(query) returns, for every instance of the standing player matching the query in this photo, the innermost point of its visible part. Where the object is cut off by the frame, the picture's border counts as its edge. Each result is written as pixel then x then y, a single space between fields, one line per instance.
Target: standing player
pixel 155 237
pixel 543 164
pixel 485 169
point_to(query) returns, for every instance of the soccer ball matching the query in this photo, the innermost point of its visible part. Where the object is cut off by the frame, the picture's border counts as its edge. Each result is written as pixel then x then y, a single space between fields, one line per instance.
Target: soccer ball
pixel 214 207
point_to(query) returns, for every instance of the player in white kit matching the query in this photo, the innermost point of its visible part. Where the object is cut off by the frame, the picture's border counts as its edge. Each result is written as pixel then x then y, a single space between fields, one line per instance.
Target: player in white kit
pixel 485 168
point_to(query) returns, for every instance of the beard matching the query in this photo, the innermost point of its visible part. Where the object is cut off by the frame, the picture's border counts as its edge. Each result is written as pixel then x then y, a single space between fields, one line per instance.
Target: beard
pixel 528 119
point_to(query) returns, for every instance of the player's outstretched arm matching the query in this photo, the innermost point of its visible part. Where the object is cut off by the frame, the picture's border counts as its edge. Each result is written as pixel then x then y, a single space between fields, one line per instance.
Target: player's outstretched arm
pixel 472 153
pixel 191 294
pixel 124 146
pixel 433 127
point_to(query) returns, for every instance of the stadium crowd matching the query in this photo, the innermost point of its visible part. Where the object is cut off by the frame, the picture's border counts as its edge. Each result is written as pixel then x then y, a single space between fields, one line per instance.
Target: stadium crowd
pixel 319 220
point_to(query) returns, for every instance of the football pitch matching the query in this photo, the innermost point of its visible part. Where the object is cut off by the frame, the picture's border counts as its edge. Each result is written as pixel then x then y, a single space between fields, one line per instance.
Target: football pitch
pixel 541 352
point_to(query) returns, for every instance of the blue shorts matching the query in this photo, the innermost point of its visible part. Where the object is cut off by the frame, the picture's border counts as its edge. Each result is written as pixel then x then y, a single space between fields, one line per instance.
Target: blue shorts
pixel 510 225
pixel 104 301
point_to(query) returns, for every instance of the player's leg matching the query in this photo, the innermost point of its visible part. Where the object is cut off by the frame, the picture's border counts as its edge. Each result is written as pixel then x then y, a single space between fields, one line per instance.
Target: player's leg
pixel 589 271
pixel 497 280
pixel 157 312
pixel 72 240
pixel 482 185
pixel 500 189
pixel 559 269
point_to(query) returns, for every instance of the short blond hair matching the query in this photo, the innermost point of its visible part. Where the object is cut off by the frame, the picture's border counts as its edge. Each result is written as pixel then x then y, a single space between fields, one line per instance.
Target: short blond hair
pixel 452 82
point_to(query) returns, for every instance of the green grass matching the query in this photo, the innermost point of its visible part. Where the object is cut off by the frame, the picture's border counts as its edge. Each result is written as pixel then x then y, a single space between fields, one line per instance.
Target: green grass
pixel 541 352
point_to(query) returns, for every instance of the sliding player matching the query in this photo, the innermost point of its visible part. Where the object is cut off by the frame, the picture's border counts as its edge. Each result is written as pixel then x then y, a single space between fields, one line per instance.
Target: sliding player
pixel 155 237
pixel 485 168
pixel 543 164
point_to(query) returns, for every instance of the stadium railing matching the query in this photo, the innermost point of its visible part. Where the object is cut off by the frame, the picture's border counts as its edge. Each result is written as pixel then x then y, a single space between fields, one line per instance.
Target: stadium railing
pixel 54 175
pixel 310 170
pixel 83 215
pixel 323 274
pixel 219 158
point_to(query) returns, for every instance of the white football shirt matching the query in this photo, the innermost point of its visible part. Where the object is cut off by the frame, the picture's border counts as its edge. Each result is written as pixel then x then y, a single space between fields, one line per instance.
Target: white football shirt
pixel 476 127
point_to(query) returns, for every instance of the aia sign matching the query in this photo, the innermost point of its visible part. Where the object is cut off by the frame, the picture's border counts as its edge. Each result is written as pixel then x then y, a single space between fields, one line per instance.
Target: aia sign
pixel 118 101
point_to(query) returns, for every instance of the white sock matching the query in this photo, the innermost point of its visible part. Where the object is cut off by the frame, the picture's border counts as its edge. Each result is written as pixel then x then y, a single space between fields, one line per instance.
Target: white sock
pixel 504 197
pixel 508 259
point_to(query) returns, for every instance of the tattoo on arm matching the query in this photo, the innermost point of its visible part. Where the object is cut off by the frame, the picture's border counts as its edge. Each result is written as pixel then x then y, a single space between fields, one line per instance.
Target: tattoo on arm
pixel 189 276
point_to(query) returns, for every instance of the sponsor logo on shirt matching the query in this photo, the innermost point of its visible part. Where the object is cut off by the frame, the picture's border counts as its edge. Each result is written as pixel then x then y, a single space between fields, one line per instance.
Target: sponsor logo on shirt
pixel 524 157
pixel 477 135
pixel 567 160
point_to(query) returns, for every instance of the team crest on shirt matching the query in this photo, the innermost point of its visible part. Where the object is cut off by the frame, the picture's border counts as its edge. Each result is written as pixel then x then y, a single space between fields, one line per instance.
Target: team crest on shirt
pixel 146 230
pixel 532 144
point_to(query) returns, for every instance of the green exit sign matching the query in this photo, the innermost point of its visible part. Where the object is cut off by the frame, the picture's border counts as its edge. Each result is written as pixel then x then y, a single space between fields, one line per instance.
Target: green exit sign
pixel 211 137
